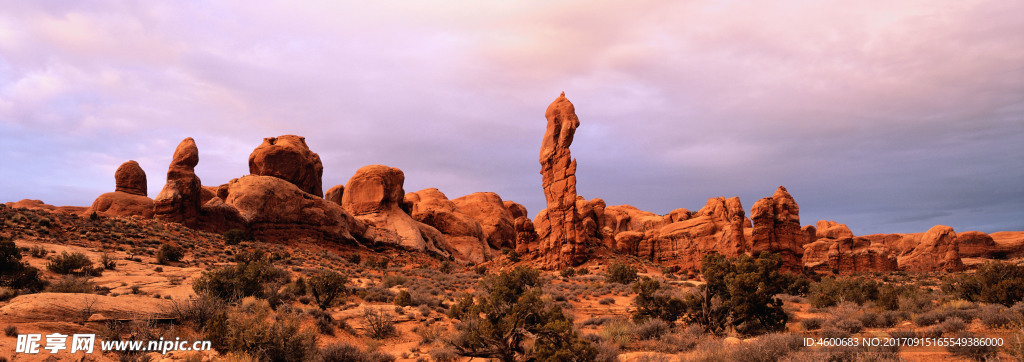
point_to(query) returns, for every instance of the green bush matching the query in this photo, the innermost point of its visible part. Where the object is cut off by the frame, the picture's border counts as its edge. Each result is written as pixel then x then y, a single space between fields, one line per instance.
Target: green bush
pixel 252 275
pixel 326 287
pixel 739 293
pixel 250 328
pixel 509 309
pixel 16 274
pixel 70 263
pixel 993 282
pixel 830 291
pixel 72 284
pixel 344 352
pixel 621 273
pixel 169 253
pixel 651 304
pixel 568 273
pixel 235 236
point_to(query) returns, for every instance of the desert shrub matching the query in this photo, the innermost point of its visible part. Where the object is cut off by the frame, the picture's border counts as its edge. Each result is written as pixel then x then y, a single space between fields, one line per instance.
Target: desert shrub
pixel 324 322
pixel 903 334
pixel 16 274
pixel 235 236
pixel 620 273
pixel 375 263
pixel 951 325
pixel 862 353
pixel 651 329
pixel 977 353
pixel 513 256
pixel 169 253
pixel 393 280
pixel 354 258
pixel 928 318
pixel 252 275
pixel 380 323
pixel 607 352
pixel 344 352
pixel 582 271
pixel 651 304
pixel 831 291
pixel 443 354
pixel 249 328
pixel 38 251
pixel 995 316
pixel 851 326
pixel 508 309
pixel 811 324
pixel 993 282
pixel 739 294
pixel 606 301
pixel 912 301
pixel 197 309
pixel 377 294
pixel 887 319
pixel 327 287
pixel 833 332
pixel 403 298
pixel 11 330
pixel 769 347
pixel 107 262
pixel 70 263
pixel 796 284
pixel 568 273
pixel 480 269
pixel 446 267
pixel 72 284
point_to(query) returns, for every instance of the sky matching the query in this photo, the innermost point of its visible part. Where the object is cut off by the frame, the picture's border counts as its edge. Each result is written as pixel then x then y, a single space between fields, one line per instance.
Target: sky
pixel 888 116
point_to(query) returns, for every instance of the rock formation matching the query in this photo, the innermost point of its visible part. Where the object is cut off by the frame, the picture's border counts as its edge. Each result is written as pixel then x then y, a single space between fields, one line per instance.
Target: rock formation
pixel 130 178
pixel 462 234
pixel 938 250
pixel 374 196
pixel 776 228
pixel 335 193
pixel 976 244
pixel 129 196
pixel 277 210
pixel 717 227
pixel 495 220
pixel 558 225
pixel 837 250
pixel 180 199
pixel 289 158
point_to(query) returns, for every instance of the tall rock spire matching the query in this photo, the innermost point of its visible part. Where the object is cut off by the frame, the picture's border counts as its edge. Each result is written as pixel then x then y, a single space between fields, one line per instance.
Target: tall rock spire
pixel 559 224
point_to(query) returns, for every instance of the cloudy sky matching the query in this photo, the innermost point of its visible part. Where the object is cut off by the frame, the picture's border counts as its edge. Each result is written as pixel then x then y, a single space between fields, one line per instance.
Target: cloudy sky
pixel 889 116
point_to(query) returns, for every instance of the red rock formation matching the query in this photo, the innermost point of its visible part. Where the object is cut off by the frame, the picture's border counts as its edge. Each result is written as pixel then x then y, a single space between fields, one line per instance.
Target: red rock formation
pixel 837 250
pixel 976 244
pixel 558 225
pixel 119 203
pixel 717 227
pixel 40 205
pixel 129 196
pixel 515 209
pixel 217 216
pixel 526 235
pixel 776 222
pixel 335 194
pixel 463 236
pixel 180 199
pixel 277 210
pixel 1011 243
pixel 289 158
pixel 489 211
pixel 374 196
pixel 130 178
pixel 938 250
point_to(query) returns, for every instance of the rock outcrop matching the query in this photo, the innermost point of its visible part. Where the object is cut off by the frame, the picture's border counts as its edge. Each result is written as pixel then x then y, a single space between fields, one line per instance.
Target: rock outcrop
pixel 776 228
pixel 374 195
pixel 130 178
pixel 488 209
pixel 938 250
pixel 277 210
pixel 335 194
pixel 836 249
pixel 463 235
pixel 289 158
pixel 718 227
pixel 180 199
pixel 119 203
pixel 558 225
pixel 976 244
pixel 129 196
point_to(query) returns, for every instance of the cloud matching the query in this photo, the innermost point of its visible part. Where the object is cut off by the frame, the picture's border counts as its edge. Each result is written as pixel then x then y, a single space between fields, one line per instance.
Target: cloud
pixel 872 114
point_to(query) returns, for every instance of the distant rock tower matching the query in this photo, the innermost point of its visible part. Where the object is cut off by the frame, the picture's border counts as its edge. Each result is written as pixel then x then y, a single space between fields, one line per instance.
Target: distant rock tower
pixel 558 226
